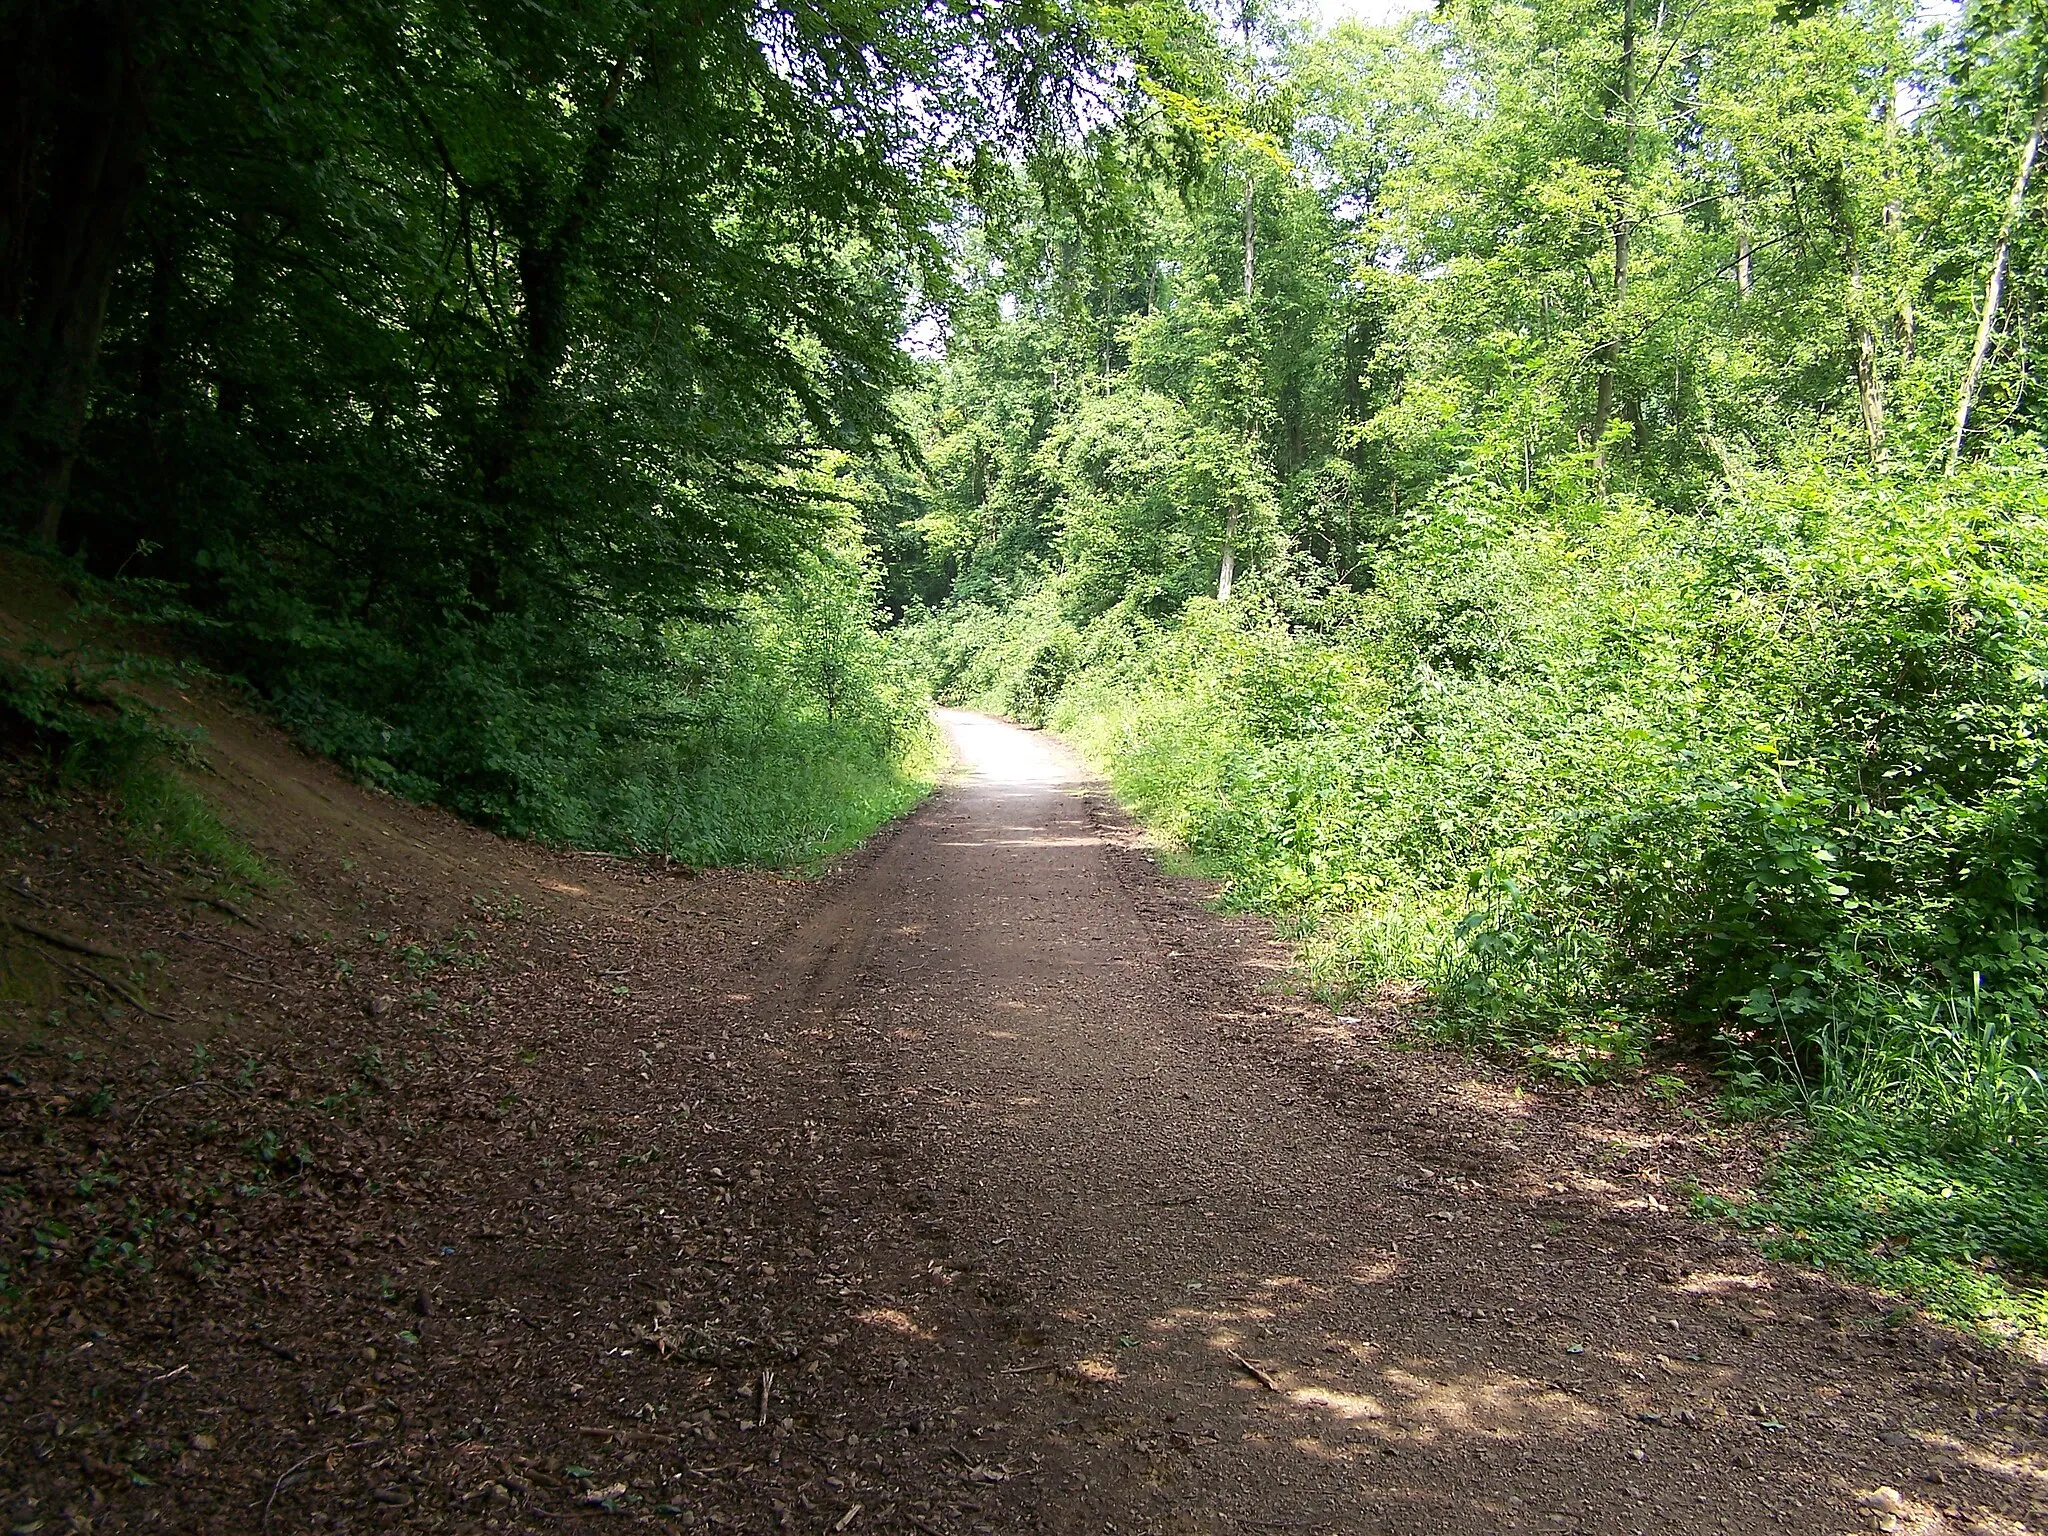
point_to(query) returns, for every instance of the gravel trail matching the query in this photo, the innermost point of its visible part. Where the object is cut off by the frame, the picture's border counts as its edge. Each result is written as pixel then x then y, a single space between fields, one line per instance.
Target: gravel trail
pixel 1244 1266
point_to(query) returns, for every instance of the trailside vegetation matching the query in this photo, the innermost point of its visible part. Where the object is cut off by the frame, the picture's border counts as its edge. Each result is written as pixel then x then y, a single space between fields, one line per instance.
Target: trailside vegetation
pixel 1554 508
pixel 500 388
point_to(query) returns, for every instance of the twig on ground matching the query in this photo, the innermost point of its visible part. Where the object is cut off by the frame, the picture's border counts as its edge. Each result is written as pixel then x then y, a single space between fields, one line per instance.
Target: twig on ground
pixel 171 1093
pixel 220 904
pixel 1260 1376
pixel 626 1436
pixel 306 1461
pixel 214 938
pixel 669 901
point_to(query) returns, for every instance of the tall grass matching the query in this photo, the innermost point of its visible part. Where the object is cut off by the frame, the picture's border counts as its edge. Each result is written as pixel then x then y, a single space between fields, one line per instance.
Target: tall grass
pixel 777 728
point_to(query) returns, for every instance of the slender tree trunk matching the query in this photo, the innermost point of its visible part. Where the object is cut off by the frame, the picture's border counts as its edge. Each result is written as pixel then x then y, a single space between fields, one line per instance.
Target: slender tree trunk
pixel 236 321
pixel 1863 344
pixel 1108 319
pixel 1870 404
pixel 1226 571
pixel 1608 355
pixel 1895 238
pixel 1250 188
pixel 1869 392
pixel 1678 422
pixel 1903 317
pixel 1994 287
pixel 1742 241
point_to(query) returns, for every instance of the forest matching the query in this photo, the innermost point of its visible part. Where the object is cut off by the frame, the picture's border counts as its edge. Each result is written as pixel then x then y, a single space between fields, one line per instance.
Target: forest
pixel 1546 501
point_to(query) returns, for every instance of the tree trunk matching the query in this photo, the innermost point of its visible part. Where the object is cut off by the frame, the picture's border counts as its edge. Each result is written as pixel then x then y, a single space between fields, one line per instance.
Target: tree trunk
pixel 1994 287
pixel 550 241
pixel 235 324
pixel 1226 571
pixel 1743 277
pixel 76 159
pixel 1869 390
pixel 549 252
pixel 1895 237
pixel 1863 345
pixel 1608 354
pixel 1250 188
pixel 1903 316
pixel 1108 318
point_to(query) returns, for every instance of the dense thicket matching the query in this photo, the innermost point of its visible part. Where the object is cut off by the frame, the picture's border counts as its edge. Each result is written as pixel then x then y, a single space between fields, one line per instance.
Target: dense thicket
pixel 1556 510
pixel 494 380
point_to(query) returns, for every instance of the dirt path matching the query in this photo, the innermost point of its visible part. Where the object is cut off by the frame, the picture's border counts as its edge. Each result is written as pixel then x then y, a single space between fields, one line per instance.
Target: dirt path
pixel 1289 1279
pixel 990 1184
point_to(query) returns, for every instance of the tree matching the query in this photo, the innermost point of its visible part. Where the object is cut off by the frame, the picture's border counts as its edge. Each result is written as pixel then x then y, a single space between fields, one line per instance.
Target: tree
pixel 2001 252
pixel 78 77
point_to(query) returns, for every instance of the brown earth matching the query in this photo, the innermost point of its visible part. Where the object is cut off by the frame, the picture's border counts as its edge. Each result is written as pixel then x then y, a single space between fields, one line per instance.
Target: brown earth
pixel 990 1183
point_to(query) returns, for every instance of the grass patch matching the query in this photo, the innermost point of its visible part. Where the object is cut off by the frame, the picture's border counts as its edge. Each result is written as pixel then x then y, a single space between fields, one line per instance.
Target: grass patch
pixel 164 814
pixel 86 733
pixel 1960 1226
pixel 802 803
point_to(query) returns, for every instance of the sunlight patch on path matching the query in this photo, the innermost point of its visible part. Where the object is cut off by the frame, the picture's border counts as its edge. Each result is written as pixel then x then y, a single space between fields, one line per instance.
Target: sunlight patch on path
pixel 996 752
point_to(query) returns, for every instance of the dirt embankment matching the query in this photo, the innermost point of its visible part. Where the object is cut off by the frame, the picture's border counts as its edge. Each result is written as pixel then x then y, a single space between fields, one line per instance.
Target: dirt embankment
pixel 988 1184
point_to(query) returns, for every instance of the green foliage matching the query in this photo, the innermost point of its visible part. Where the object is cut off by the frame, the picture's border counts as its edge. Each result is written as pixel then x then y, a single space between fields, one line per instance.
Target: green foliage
pixel 1769 776
pixel 500 386
pixel 1962 1226
pixel 1602 660
pixel 780 729
pixel 1759 772
pixel 1014 661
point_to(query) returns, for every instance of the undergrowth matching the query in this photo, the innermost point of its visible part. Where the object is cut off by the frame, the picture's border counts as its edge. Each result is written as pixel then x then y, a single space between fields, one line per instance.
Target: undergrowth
pixel 778 728
pixel 1959 1224
pixel 86 733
